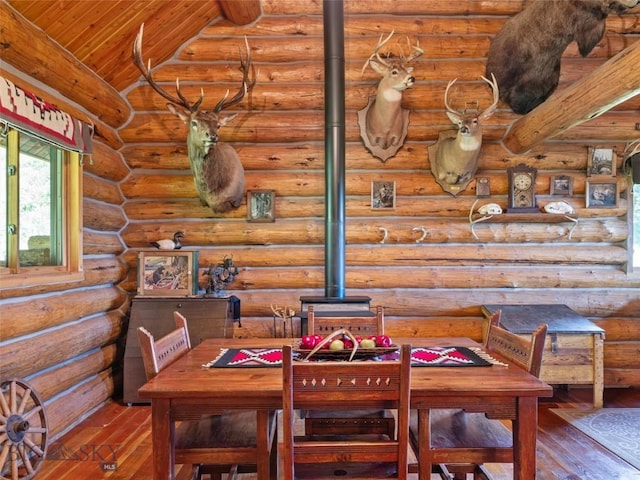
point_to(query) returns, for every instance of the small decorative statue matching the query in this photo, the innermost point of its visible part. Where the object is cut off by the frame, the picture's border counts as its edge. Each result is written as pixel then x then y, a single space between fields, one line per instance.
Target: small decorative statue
pixel 220 276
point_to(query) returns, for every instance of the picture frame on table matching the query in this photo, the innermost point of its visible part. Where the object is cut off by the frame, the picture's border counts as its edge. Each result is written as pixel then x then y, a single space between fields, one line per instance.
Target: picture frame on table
pixel 167 273
pixel 601 193
pixel 261 206
pixel 601 161
pixel 561 185
pixel 383 194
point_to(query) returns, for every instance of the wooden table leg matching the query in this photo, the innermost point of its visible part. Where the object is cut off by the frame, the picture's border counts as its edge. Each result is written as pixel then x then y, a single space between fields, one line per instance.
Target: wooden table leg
pixel 525 428
pixel 163 438
pixel 598 370
pixel 424 444
pixel 263 438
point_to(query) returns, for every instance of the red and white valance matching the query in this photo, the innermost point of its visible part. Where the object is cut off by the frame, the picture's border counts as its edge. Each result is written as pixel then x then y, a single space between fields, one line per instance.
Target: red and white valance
pixel 27 112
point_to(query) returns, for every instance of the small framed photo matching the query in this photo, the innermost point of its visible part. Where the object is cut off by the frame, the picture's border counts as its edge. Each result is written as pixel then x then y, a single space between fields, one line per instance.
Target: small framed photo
pixel 167 273
pixel 383 195
pixel 483 187
pixel 561 185
pixel 601 193
pixel 261 205
pixel 601 161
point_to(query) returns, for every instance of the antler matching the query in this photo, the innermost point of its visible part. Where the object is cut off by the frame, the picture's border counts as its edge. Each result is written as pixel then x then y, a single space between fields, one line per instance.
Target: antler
pixel 376 52
pixel 136 55
pixel 489 110
pixel 283 312
pixel 245 66
pixel 493 83
pixel 446 102
pixel 631 148
pixel 417 51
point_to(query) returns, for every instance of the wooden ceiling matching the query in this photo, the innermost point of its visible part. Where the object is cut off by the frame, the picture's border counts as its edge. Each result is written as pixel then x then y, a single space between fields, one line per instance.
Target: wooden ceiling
pixel 99 33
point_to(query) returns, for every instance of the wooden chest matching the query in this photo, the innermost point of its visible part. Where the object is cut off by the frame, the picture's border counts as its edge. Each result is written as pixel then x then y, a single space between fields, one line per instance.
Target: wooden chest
pixel 206 317
pixel 573 353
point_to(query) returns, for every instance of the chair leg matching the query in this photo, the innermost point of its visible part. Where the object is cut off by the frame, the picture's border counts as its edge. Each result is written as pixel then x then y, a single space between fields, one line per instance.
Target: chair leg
pixel 233 473
pixel 443 471
pixel 481 473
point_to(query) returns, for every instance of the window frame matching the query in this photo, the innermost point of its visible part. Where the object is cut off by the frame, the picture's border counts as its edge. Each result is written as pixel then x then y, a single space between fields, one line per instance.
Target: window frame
pixel 71 270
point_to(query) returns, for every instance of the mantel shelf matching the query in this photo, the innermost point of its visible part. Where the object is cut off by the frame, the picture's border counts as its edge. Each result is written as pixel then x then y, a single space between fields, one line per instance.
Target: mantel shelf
pixel 525 218
pixel 476 218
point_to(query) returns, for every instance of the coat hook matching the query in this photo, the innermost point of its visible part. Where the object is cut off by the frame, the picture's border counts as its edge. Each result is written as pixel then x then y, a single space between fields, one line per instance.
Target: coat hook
pixel 424 233
pixel 385 234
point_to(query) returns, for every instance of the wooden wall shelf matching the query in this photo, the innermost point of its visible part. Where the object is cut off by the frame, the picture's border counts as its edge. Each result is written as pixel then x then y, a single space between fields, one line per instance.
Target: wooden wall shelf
pixel 474 219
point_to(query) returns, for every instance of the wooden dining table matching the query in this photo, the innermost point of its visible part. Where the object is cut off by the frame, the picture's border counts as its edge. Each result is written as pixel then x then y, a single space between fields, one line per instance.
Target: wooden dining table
pixel 187 387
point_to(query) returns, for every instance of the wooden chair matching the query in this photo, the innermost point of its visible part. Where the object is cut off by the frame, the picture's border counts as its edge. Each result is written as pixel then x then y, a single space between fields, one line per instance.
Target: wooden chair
pixel 232 442
pixel 336 422
pixel 345 385
pixel 461 442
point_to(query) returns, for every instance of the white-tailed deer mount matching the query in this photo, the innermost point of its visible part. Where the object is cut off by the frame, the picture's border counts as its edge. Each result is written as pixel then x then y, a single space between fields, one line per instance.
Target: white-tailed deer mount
pixel 454 157
pixel 218 174
pixel 383 122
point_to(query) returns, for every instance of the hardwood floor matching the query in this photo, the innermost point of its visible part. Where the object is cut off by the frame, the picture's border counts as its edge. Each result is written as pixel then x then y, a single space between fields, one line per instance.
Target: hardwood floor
pixel 115 443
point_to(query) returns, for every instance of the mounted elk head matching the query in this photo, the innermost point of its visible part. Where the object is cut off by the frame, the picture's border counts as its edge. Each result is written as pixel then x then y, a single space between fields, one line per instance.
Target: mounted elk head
pixel 218 174
pixel 525 54
pixel 454 157
pixel 383 122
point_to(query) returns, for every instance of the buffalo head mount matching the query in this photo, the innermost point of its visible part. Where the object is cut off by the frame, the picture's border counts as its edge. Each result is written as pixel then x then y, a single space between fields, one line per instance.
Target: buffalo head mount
pixel 383 122
pixel 454 157
pixel 218 174
pixel 525 54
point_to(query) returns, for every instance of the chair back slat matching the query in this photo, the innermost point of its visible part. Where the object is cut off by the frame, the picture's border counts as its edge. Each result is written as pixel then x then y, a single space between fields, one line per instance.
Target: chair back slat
pixel 363 326
pixel 525 352
pixel 157 354
pixel 346 386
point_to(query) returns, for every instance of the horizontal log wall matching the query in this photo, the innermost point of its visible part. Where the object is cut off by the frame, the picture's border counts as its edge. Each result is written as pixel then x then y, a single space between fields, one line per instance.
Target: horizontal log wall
pixel 138 188
pixel 66 339
pixel 432 287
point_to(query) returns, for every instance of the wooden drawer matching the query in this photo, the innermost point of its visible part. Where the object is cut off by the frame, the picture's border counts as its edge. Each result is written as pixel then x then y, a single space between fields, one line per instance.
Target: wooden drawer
pixel 206 317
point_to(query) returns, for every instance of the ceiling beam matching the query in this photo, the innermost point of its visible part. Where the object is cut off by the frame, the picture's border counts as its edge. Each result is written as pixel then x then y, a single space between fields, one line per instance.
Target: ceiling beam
pixel 241 13
pixel 31 51
pixel 614 82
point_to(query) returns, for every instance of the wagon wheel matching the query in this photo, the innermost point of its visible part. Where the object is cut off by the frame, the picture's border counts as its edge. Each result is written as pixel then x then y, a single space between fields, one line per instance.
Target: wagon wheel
pixel 23 430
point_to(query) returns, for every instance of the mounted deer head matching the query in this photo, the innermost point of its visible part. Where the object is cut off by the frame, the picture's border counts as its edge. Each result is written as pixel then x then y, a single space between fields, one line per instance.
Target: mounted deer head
pixel 525 54
pixel 218 174
pixel 454 157
pixel 383 122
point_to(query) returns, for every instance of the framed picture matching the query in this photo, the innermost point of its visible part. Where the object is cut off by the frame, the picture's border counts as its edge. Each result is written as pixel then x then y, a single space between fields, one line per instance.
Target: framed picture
pixel 601 193
pixel 483 187
pixel 167 273
pixel 601 161
pixel 383 195
pixel 561 185
pixel 261 206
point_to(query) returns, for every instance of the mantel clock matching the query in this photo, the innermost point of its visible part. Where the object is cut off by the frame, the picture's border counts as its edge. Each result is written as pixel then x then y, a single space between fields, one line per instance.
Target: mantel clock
pixel 522 184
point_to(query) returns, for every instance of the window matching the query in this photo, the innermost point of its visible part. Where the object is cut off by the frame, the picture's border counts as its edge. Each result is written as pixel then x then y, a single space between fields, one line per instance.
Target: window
pixel 40 240
pixel 635 221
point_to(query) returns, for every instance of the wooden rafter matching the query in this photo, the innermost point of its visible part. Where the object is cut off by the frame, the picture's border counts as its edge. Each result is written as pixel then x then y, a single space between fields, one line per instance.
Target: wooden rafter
pixel 609 85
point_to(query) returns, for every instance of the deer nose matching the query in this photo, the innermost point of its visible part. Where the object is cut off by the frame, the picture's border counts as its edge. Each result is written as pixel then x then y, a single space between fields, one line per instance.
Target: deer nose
pixel 464 129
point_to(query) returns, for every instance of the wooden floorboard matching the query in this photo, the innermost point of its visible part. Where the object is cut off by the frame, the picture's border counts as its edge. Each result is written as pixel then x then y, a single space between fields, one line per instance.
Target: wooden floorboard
pixel 115 443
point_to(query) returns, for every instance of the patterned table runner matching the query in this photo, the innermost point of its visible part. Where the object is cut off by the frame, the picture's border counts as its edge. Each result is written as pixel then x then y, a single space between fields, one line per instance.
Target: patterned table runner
pixel 420 357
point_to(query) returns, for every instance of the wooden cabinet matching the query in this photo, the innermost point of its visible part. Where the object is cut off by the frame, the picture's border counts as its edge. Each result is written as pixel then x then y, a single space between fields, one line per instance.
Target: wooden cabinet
pixel 207 318
pixel 574 348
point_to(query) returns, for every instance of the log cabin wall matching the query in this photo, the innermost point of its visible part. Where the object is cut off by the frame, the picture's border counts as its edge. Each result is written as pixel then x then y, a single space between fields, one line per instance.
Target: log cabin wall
pixel 65 339
pixel 139 188
pixel 432 287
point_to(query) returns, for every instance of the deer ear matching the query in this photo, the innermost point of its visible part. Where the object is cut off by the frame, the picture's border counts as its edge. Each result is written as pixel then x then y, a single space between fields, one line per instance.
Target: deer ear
pixel 455 118
pixel 182 113
pixel 222 122
pixel 378 68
